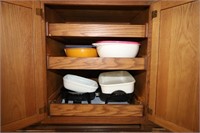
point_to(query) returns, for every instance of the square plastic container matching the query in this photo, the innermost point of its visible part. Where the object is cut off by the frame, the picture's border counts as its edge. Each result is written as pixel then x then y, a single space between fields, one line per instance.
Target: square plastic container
pixel 116 81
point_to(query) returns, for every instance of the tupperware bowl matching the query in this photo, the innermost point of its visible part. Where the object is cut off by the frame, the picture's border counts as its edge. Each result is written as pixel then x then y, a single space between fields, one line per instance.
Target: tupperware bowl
pixel 117 48
pixel 79 84
pixel 80 51
pixel 116 81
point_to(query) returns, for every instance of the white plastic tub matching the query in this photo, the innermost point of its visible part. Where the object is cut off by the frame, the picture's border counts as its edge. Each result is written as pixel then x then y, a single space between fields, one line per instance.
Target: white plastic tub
pixel 116 80
pixel 126 49
pixel 79 84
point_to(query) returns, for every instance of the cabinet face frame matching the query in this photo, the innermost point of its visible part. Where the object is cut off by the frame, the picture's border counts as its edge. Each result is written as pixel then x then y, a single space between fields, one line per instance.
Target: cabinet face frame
pixel 90 120
pixel 154 70
pixel 21 111
pixel 151 94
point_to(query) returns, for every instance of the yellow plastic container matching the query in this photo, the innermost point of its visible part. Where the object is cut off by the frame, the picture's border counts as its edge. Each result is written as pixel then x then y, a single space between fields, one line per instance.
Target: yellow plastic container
pixel 81 52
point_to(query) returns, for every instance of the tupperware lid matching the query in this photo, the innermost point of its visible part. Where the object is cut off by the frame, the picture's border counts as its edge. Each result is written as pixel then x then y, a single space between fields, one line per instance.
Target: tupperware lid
pixel 116 42
pixel 79 46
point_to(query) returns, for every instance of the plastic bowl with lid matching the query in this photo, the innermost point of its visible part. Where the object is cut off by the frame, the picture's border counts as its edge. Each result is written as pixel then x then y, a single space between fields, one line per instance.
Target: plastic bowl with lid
pixel 80 51
pixel 117 48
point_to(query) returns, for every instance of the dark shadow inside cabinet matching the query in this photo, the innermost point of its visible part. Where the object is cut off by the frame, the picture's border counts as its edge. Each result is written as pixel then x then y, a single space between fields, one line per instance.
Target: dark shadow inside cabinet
pixel 55 44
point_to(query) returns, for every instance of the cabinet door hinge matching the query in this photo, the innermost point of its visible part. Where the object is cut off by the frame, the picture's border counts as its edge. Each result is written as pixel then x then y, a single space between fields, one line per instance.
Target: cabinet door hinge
pixel 154 14
pixel 39 12
pixel 149 111
pixel 43 110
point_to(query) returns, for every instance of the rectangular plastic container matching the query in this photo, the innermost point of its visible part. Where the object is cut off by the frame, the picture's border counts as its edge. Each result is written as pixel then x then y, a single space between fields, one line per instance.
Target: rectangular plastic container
pixel 115 81
pixel 79 84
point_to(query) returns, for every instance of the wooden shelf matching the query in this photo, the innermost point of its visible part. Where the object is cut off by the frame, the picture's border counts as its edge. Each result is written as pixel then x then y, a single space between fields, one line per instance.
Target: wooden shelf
pixel 96 30
pixel 95 110
pixel 95 63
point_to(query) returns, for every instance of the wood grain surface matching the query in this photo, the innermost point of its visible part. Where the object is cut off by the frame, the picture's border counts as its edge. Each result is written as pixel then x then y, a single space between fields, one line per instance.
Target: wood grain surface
pixel 94 120
pixel 22 68
pixel 100 2
pixel 168 4
pixel 95 110
pixel 96 63
pixel 96 30
pixel 177 98
pixel 153 44
pixel 17 69
pixel 23 3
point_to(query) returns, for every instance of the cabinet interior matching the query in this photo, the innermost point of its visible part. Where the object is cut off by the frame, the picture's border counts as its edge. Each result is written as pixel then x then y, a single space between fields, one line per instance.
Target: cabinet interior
pixel 96 14
pixel 111 15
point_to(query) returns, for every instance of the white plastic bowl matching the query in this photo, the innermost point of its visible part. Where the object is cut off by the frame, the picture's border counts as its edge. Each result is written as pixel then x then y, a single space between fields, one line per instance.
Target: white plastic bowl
pixel 116 80
pixel 79 84
pixel 117 48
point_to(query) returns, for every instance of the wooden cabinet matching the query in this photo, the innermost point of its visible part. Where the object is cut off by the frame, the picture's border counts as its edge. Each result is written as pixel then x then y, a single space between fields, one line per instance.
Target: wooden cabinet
pixel 22 68
pixel 176 96
pixel 166 68
pixel 86 24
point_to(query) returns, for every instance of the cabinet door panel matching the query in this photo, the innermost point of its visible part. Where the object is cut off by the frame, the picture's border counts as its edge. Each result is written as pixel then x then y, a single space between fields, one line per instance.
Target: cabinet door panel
pixel 177 95
pixel 18 84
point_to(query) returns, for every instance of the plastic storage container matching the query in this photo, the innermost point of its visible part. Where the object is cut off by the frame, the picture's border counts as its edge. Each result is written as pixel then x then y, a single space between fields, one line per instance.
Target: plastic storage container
pixel 116 81
pixel 80 51
pixel 117 48
pixel 79 84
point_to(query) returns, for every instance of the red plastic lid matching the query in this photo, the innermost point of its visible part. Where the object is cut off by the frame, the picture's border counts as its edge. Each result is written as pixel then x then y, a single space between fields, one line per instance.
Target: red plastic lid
pixel 120 42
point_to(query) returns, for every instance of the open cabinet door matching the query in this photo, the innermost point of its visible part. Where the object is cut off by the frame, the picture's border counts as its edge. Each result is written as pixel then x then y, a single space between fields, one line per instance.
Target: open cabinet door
pixel 22 65
pixel 174 66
